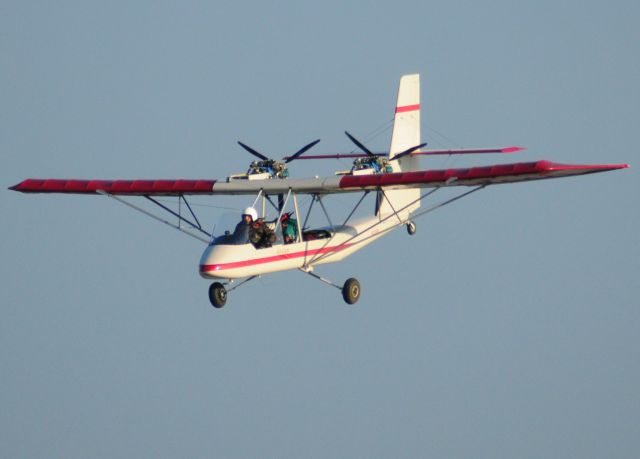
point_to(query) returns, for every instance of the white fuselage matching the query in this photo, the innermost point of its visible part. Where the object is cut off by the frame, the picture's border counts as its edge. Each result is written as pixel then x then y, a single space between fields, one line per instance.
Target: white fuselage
pixel 226 261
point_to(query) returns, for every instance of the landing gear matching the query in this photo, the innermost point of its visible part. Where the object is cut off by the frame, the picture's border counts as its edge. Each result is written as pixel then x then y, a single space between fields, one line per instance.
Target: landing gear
pixel 411 228
pixel 351 291
pixel 217 295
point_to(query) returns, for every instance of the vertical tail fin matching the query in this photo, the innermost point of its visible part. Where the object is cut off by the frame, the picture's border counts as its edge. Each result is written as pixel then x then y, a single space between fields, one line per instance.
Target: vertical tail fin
pixel 406 134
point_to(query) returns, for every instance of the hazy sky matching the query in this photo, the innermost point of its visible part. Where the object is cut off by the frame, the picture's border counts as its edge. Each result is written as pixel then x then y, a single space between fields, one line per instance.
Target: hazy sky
pixel 508 326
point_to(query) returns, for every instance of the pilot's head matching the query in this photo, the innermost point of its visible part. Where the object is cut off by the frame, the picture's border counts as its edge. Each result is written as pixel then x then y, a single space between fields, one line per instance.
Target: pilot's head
pixel 249 215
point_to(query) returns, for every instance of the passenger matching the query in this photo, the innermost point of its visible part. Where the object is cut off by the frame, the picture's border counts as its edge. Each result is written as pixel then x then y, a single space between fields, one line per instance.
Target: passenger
pixel 260 235
pixel 289 229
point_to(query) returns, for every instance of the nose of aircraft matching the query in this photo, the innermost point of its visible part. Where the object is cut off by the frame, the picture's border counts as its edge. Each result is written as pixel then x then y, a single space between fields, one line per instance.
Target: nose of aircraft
pixel 205 262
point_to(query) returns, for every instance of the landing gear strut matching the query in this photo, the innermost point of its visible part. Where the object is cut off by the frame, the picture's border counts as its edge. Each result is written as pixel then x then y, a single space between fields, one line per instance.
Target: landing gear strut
pixel 350 290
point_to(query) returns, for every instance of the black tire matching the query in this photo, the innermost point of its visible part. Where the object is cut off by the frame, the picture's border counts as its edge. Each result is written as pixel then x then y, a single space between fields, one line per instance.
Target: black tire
pixel 351 291
pixel 217 295
pixel 411 228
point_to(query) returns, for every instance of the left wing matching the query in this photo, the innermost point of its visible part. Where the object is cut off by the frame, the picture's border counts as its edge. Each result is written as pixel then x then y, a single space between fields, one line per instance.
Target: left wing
pixel 483 175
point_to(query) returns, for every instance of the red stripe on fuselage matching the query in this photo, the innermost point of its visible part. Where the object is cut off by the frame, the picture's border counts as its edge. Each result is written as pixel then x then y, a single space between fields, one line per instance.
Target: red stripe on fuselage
pixel 258 261
pixel 408 108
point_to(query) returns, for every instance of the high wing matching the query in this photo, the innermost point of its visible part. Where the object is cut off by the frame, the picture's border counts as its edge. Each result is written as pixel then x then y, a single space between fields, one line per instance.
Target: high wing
pixel 483 175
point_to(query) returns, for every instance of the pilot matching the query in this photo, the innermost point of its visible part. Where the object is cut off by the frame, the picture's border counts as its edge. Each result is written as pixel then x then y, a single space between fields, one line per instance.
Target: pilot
pixel 249 216
pixel 243 227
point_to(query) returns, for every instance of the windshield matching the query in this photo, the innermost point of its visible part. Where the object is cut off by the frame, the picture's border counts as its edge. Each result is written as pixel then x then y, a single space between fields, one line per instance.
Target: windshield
pixel 230 230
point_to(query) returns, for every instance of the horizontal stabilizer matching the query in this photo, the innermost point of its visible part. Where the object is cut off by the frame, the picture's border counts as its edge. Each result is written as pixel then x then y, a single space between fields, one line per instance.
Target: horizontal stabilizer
pixel 461 151
pixel 469 151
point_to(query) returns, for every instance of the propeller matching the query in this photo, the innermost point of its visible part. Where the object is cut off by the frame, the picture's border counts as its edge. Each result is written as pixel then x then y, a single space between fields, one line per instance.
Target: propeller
pixel 408 151
pixel 301 151
pixel 289 158
pixel 360 145
pixel 253 152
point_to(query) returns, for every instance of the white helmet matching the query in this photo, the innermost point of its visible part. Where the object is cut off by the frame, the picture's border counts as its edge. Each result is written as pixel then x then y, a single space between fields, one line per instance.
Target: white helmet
pixel 251 211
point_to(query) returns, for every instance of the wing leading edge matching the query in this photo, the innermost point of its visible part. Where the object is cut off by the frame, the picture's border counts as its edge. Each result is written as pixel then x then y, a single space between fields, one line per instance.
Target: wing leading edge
pixel 494 174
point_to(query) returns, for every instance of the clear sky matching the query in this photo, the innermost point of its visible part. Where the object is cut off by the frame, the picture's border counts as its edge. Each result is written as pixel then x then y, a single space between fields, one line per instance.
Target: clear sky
pixel 508 326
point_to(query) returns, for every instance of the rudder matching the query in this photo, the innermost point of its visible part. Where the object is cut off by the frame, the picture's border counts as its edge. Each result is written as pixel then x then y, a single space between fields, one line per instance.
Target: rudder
pixel 406 134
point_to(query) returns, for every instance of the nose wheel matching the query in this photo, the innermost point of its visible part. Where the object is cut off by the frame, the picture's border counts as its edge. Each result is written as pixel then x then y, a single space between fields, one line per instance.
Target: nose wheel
pixel 217 295
pixel 411 228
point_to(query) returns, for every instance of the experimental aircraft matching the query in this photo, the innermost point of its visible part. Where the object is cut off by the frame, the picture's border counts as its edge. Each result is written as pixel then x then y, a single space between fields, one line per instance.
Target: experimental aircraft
pixel 394 178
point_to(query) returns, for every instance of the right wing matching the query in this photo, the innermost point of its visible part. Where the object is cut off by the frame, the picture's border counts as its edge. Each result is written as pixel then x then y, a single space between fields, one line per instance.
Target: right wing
pixel 482 175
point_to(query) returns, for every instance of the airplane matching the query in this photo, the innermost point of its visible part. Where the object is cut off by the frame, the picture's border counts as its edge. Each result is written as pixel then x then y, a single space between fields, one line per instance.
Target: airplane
pixel 394 178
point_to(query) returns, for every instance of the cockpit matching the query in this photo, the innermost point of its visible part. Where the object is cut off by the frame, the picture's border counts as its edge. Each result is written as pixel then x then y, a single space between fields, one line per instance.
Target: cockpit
pixel 232 229
pixel 238 236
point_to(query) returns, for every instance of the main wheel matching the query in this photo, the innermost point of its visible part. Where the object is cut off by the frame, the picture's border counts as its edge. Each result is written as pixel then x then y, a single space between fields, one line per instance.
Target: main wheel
pixel 411 228
pixel 217 295
pixel 351 291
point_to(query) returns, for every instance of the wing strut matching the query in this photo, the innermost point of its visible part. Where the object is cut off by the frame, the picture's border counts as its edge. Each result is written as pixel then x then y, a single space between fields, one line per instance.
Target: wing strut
pixel 346 220
pixel 324 209
pixel 191 210
pixel 449 201
pixel 306 219
pixel 364 195
pixel 395 212
pixel 430 209
pixel 180 217
pixel 155 217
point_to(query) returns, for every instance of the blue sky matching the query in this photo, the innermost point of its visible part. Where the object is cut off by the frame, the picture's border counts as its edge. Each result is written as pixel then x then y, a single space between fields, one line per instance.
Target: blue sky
pixel 507 326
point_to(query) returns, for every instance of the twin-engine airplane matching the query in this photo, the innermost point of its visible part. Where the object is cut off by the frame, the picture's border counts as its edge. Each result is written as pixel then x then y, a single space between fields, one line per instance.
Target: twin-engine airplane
pixel 240 250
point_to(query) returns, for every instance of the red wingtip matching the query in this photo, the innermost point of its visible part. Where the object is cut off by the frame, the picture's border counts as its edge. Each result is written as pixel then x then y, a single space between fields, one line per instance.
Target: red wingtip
pixel 17 187
pixel 512 149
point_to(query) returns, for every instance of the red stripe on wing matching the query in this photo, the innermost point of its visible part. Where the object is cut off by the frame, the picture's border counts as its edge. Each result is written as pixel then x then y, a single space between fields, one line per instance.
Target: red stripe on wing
pixel 126 187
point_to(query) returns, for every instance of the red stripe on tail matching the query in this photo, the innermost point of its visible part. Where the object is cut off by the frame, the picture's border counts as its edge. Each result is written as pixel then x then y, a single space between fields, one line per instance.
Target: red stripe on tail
pixel 408 108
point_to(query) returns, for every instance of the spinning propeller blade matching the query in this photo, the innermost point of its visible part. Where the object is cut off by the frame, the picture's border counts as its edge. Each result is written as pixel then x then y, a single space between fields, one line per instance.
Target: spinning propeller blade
pixel 288 159
pixel 409 151
pixel 252 151
pixel 362 147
